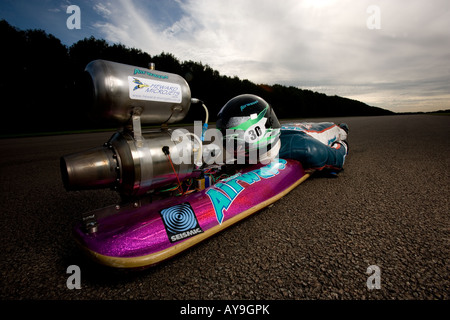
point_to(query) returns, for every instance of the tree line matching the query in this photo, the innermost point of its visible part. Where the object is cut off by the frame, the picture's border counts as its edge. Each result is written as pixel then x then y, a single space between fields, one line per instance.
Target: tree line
pixel 38 85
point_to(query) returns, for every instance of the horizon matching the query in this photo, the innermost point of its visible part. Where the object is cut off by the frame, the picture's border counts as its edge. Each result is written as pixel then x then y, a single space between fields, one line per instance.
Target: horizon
pixel 388 55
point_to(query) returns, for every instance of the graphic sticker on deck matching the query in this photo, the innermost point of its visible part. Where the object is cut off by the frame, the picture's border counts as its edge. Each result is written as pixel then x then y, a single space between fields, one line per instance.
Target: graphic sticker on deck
pixel 225 192
pixel 180 222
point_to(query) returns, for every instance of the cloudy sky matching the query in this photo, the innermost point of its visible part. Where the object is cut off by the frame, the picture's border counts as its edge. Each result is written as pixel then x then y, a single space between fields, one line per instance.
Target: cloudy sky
pixel 393 54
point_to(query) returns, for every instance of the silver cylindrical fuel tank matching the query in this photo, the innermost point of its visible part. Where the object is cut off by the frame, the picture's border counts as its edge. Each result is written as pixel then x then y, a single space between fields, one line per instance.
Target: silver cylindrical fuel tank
pixel 117 91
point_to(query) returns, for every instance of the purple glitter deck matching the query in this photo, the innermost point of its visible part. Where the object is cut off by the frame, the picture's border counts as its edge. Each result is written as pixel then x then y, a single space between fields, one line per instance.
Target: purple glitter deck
pixel 157 226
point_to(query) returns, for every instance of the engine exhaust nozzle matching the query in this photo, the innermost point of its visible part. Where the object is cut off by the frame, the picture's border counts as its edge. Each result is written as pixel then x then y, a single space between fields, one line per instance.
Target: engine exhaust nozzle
pixel 91 169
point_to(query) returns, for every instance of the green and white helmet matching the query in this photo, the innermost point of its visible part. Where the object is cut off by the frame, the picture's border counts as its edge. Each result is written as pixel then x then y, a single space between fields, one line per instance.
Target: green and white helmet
pixel 249 127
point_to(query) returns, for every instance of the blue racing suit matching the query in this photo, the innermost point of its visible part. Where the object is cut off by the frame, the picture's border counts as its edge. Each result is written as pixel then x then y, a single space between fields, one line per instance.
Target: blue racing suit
pixel 316 145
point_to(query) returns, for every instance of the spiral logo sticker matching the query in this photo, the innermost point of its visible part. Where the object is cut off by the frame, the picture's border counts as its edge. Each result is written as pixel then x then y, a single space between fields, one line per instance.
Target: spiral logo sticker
pixel 180 222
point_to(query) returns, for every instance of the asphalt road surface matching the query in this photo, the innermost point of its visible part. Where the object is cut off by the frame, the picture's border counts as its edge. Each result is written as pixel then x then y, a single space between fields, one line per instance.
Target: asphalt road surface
pixel 389 208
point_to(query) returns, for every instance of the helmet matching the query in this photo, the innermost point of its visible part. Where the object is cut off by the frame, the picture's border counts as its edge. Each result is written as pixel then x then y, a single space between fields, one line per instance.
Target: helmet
pixel 250 128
